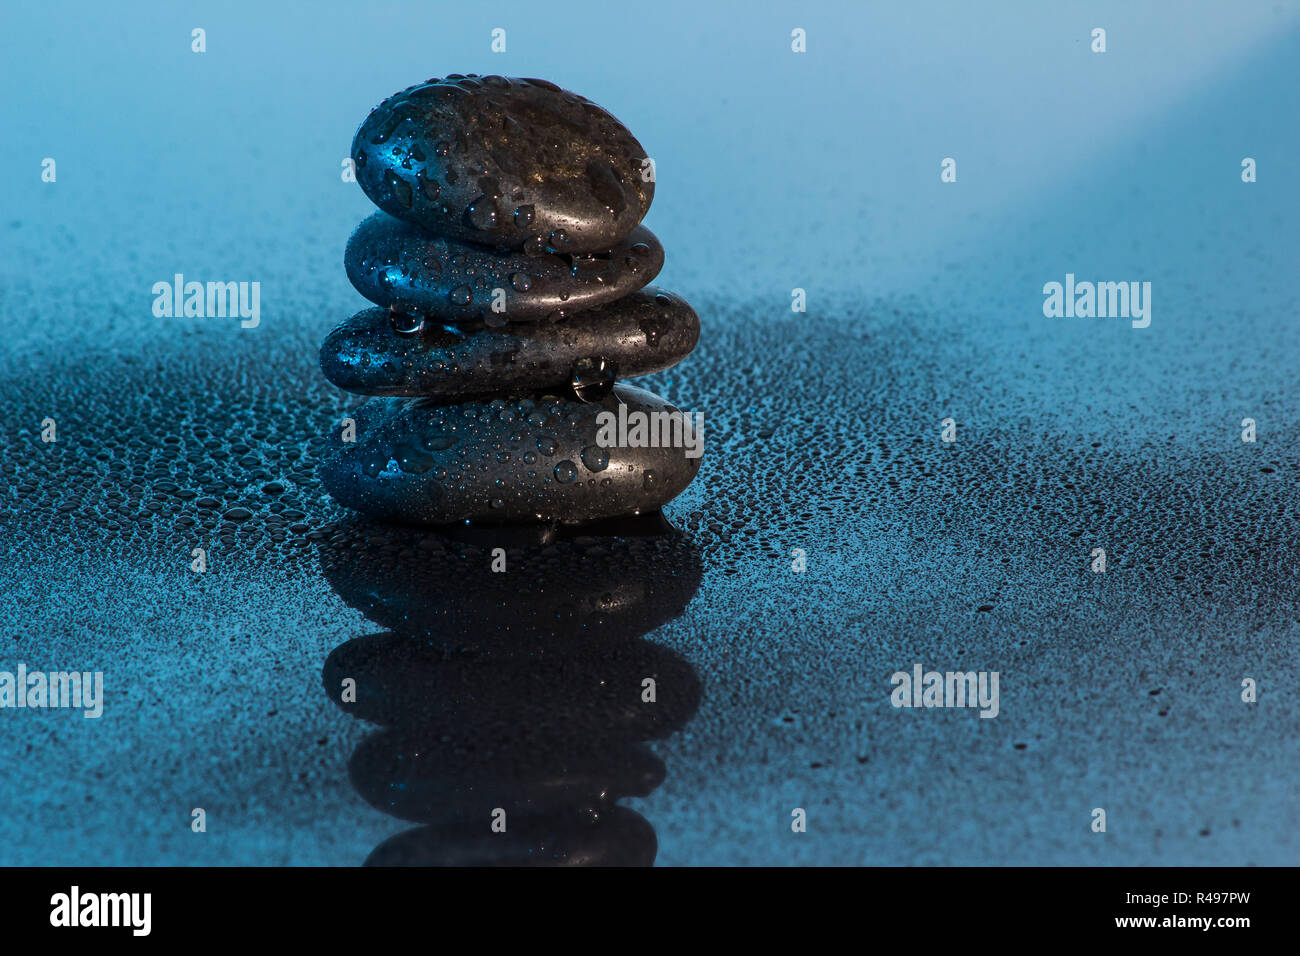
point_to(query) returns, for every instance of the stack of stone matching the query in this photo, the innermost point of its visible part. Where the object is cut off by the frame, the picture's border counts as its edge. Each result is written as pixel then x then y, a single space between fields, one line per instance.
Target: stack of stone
pixel 510 270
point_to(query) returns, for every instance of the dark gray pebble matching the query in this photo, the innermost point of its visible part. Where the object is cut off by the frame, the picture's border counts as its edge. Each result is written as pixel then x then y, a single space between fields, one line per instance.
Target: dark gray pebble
pixel 504 162
pixel 505 460
pixel 390 261
pixel 377 352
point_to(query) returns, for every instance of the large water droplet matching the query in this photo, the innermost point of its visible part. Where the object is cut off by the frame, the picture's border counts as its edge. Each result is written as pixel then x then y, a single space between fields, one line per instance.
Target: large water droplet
pixel 373 464
pixel 592 378
pixel 400 188
pixel 405 320
pixel 413 460
pixel 437 442
pixel 595 458
pixel 483 213
pixel 565 472
pixel 589 267
pixel 429 187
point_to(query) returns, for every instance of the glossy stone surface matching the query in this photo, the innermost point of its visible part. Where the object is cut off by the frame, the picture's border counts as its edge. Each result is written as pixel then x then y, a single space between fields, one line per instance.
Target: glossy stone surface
pixel 583 687
pixel 524 460
pixel 391 261
pixel 504 162
pixel 461 776
pixel 645 332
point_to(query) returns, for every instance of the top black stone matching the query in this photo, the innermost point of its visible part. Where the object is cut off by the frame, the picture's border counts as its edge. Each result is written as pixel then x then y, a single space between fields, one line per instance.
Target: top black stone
pixel 511 163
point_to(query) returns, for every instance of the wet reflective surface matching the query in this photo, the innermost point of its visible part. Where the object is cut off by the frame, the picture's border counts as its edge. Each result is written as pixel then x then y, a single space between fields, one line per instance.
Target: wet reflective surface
pixel 1120 690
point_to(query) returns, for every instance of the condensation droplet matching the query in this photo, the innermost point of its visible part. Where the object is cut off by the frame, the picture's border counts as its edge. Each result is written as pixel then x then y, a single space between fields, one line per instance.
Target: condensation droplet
pixel 595 458
pixel 400 188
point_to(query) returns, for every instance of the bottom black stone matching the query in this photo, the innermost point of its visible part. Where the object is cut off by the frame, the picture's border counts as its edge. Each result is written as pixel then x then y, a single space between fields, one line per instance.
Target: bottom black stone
pixel 544 459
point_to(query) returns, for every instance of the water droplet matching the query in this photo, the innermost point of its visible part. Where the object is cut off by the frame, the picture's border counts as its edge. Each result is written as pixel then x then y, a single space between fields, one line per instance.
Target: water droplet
pixel 595 458
pixel 495 320
pixel 461 295
pixel 386 129
pixel 429 187
pixel 605 186
pixel 412 460
pixel 405 321
pixel 546 444
pixel 400 188
pixel 589 267
pixel 521 282
pixel 437 442
pixel 524 216
pixel 482 214
pixel 565 472
pixel 648 482
pixel 592 378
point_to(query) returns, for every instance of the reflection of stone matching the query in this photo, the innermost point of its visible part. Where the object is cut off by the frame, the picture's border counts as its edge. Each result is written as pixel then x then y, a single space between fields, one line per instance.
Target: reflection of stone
pixel 521 692
pixel 422 778
pixel 616 837
pixel 618 579
pixel 585 686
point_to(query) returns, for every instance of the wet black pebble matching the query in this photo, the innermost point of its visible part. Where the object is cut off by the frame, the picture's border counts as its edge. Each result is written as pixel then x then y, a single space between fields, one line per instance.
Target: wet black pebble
pixel 510 163
pixel 419 462
pixel 378 352
pixel 394 262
